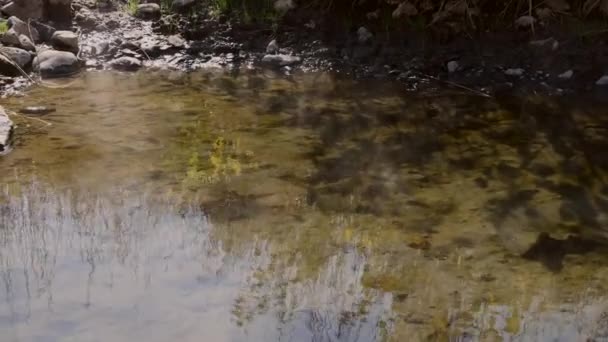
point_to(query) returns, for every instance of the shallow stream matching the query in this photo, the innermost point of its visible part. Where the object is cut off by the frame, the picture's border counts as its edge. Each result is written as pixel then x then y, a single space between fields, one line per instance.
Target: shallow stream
pixel 207 206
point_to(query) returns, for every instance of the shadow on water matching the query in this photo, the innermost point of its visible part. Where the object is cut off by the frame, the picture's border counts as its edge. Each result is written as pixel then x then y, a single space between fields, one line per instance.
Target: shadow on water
pixel 253 206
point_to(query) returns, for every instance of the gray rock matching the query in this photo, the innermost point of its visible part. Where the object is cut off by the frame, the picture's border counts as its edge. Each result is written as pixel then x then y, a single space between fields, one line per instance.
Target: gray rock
pixel 86 19
pixel 26 43
pixel 100 48
pixel 65 40
pixel 148 11
pixel 44 31
pixel 11 38
pixel 21 27
pixel 514 72
pixel 126 64
pixel 281 60
pixel 273 47
pixel 6 128
pixel 452 66
pixel 52 63
pixel 176 41
pixel 603 81
pixel 21 57
pixel 364 35
pixel 566 75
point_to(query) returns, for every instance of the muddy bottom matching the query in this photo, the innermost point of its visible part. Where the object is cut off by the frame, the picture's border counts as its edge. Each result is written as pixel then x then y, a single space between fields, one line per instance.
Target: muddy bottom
pixel 248 206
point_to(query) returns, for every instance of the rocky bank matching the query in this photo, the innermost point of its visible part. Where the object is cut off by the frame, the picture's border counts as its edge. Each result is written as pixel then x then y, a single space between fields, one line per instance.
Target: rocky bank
pixel 58 38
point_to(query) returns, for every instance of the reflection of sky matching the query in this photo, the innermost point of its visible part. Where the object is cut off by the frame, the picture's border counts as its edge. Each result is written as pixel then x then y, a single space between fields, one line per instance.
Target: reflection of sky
pixel 96 269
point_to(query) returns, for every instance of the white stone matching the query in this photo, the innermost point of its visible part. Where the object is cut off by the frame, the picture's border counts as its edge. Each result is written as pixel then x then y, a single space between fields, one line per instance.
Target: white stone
pixel 514 72
pixel 273 47
pixel 602 81
pixel 566 75
pixel 364 34
pixel 452 66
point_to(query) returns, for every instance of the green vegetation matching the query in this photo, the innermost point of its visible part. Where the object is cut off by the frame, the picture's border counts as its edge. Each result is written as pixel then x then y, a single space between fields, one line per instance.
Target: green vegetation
pixel 3 26
pixel 131 6
pixel 428 13
pixel 248 10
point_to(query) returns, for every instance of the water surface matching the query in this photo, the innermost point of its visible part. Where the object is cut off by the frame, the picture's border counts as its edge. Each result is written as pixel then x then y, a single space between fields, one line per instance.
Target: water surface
pixel 256 207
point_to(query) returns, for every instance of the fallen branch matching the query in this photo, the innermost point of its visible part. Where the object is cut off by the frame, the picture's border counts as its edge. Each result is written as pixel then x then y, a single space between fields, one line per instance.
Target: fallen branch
pixel 454 84
pixel 18 67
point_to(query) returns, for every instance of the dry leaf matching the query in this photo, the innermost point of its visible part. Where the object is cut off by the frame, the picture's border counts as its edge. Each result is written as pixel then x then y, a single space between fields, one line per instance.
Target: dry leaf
pixel 525 21
pixel 405 9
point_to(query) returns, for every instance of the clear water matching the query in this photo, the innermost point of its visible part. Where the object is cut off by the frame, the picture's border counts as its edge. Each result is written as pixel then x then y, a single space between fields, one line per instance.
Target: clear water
pixel 254 207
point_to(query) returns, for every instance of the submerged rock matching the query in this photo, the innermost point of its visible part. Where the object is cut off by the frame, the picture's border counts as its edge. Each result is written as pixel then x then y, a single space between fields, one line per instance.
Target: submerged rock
pixel 37 110
pixel 281 60
pixel 6 128
pixel 148 11
pixel 126 64
pixel 52 63
pixel 65 41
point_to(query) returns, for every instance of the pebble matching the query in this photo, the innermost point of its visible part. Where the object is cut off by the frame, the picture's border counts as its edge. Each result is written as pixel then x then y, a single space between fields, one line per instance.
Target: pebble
pixel 452 66
pixel 514 72
pixel 566 75
pixel 603 81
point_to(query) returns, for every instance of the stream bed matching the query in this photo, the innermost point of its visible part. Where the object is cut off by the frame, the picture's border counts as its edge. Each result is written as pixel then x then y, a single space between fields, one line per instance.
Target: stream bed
pixel 249 206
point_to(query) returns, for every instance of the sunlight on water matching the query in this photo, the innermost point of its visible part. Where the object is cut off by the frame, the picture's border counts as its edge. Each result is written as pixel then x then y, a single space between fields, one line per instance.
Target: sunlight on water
pixel 252 207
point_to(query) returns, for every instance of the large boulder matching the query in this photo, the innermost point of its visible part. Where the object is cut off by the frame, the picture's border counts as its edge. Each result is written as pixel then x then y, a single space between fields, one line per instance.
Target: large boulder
pixel 20 27
pixel 148 11
pixel 65 41
pixel 6 128
pixel 53 63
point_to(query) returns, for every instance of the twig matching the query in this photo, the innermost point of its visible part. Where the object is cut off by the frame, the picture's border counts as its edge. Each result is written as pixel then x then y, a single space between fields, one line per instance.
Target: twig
pixel 18 67
pixel 477 92
pixel 145 53
pixel 29 118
